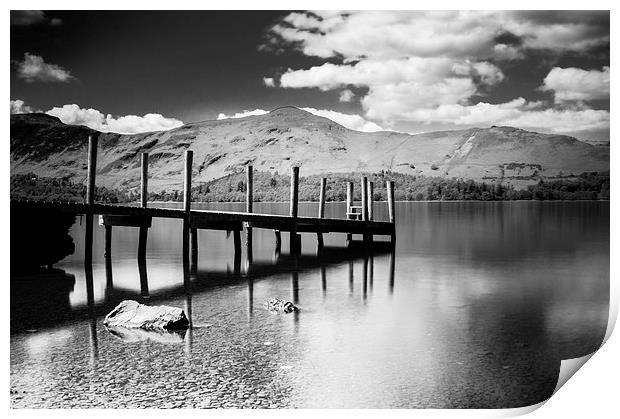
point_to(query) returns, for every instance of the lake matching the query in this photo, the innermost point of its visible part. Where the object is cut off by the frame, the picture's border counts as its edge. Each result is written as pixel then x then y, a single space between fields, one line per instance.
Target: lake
pixel 476 307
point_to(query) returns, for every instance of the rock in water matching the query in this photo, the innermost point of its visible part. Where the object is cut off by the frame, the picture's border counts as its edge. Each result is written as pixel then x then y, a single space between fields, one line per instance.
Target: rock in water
pixel 131 314
pixel 280 306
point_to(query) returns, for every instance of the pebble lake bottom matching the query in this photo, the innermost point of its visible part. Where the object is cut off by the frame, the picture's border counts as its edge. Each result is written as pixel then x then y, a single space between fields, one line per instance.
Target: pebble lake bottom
pixel 485 300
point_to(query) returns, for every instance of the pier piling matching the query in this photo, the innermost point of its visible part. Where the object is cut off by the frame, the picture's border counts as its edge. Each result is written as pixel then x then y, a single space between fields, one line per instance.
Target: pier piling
pixel 295 242
pixel 348 208
pixel 319 236
pixel 249 200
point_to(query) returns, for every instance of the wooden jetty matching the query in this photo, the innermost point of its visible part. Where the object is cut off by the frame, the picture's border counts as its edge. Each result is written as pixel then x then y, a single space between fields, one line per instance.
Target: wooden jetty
pixel 356 222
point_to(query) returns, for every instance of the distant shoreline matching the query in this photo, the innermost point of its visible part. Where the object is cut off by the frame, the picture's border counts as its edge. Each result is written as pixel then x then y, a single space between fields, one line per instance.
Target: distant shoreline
pixel 385 202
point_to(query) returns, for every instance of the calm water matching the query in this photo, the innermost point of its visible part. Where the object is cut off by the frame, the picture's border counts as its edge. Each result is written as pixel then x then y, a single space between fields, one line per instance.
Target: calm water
pixel 476 308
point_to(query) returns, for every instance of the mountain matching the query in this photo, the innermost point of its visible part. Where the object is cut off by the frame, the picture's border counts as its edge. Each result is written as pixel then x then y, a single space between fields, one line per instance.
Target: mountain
pixel 287 136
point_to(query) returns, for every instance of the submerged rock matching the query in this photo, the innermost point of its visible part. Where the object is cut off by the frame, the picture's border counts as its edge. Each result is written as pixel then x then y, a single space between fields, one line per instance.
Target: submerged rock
pixel 133 315
pixel 276 305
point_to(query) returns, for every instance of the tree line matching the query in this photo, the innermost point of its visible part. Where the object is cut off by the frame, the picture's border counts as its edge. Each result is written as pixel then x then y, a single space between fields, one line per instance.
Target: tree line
pixel 275 187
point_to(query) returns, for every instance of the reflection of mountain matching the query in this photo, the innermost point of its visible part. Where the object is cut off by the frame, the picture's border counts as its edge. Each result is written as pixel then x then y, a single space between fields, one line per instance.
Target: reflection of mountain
pixel 39 239
pixel 43 145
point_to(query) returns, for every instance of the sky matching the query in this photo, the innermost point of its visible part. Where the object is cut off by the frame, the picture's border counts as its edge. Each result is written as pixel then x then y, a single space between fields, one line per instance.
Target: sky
pixel 409 71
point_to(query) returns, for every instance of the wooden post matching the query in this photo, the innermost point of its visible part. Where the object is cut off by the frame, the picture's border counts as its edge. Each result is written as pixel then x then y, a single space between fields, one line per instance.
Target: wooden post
pixel 187 185
pixel 365 198
pixel 391 209
pixel 371 188
pixel 237 241
pixel 294 238
pixel 322 198
pixel 390 199
pixel 249 190
pixel 249 200
pixel 319 236
pixel 349 203
pixel 90 198
pixel 144 195
pixel 92 169
pixel 349 197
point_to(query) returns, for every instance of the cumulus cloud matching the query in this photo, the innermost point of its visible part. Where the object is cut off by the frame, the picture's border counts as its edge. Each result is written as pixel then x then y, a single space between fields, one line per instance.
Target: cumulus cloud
pixel 455 34
pixel 269 81
pixel 517 112
pixel 575 84
pixel 420 66
pixel 346 96
pixel 33 68
pixel 242 114
pixel 351 121
pixel 18 106
pixel 32 17
pixel 128 124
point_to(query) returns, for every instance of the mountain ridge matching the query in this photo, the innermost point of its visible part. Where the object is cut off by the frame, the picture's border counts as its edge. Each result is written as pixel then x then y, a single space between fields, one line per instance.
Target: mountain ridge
pixel 287 136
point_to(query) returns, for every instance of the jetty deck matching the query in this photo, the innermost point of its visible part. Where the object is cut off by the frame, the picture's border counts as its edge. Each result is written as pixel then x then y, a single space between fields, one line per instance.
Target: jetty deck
pixel 359 219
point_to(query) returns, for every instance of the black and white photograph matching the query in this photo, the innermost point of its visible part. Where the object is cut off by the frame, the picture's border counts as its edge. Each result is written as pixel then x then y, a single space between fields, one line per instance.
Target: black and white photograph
pixel 305 209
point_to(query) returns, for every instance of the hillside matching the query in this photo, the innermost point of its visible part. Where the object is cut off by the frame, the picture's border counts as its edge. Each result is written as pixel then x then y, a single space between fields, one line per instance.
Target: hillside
pixel 43 145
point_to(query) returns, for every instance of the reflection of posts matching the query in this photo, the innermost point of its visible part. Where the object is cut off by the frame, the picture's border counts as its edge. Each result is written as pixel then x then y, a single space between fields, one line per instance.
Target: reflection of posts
pixel 144 281
pixel 364 276
pixel 88 242
pixel 371 269
pixel 194 250
pixel 109 282
pixel 391 272
pixel 237 260
pixel 108 242
pixel 250 297
pixel 187 286
pixel 350 277
pixel 90 299
pixel 323 279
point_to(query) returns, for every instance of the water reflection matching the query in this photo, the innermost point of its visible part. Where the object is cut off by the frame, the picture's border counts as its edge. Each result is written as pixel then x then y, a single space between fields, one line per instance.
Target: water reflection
pixel 488 300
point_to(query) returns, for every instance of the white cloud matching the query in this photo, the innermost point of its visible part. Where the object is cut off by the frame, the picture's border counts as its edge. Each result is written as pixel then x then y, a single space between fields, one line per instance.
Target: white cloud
pixel 346 96
pixel 454 34
pixel 269 81
pixel 33 68
pixel 351 121
pixel 517 112
pixel 575 84
pixel 128 124
pixel 242 114
pixel 426 67
pixel 18 106
pixel 32 17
